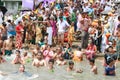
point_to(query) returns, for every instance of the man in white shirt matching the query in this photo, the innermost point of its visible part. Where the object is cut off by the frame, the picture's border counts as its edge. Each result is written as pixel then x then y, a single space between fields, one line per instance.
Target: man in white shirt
pixel 62 25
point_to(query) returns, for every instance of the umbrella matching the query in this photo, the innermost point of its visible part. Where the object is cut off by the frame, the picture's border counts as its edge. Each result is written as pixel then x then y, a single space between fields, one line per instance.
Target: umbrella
pixel 3 9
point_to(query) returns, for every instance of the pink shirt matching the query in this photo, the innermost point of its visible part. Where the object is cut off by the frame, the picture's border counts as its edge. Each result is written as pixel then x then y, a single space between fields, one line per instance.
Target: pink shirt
pixel 47 55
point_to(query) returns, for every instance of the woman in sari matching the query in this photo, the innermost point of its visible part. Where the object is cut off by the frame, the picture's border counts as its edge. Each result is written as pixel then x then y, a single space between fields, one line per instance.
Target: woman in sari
pixel 91 49
pixel 19 34
pixel 54 28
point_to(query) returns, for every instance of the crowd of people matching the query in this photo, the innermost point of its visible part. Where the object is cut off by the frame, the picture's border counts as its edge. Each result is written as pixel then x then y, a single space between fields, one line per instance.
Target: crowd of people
pixel 50 29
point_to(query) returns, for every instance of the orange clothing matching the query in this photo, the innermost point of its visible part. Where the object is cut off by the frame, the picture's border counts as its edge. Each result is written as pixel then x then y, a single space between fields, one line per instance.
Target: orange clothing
pixel 70 33
pixel 77 56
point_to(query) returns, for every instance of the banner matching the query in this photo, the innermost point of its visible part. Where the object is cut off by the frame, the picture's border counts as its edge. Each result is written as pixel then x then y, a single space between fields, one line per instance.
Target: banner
pixel 28 4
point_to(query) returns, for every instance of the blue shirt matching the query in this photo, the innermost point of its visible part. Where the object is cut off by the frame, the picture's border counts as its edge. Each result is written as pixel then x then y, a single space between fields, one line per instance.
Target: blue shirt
pixel 110 71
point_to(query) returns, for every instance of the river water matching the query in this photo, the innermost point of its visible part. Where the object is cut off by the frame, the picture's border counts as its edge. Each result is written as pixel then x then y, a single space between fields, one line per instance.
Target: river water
pixel 59 73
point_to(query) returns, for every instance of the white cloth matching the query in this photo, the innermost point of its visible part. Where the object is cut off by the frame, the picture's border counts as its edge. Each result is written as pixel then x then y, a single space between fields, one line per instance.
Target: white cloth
pixel 85 1
pixel 1 16
pixel 111 24
pixel 62 25
pixel 115 25
pixel 85 9
pixel 49 31
pixel 108 8
pixel 102 2
pixel 104 40
pixel 79 25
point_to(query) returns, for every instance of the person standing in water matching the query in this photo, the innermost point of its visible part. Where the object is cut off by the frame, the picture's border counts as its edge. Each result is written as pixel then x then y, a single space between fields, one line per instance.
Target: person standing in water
pixel 8 46
pixel 110 68
pixel 22 70
pixel 93 67
pixel 51 65
pixel 18 59
pixel 71 68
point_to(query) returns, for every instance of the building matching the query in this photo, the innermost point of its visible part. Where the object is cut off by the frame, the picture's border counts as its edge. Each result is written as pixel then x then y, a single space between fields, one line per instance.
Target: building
pixel 12 5
pixel 1 3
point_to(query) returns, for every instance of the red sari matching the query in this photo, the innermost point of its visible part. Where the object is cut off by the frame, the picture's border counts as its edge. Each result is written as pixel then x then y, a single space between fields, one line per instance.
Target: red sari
pixel 19 35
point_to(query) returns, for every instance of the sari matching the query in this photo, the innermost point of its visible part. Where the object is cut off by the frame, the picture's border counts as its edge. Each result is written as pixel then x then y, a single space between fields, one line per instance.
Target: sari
pixel 91 51
pixel 19 37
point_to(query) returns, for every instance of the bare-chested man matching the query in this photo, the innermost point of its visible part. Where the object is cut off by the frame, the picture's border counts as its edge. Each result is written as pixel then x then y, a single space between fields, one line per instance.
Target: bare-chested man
pixel 8 46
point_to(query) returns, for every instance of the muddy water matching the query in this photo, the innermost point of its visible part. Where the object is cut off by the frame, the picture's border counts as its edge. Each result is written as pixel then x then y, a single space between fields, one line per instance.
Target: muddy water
pixel 59 72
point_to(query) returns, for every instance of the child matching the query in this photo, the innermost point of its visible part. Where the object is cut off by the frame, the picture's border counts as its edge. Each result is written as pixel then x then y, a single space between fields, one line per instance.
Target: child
pixel 48 54
pixel 70 34
pixel 93 67
pixel 18 59
pixel 61 61
pixel 43 48
pixel 110 68
pixel 78 55
pixel 26 58
pixel 38 60
pixel 67 52
pixel 51 63
pixel 36 49
pixel 109 54
pixel 71 67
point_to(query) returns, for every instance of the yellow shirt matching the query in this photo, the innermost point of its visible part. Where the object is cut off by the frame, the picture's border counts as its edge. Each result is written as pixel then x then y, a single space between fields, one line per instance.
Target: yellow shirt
pixel 71 30
pixel 77 56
